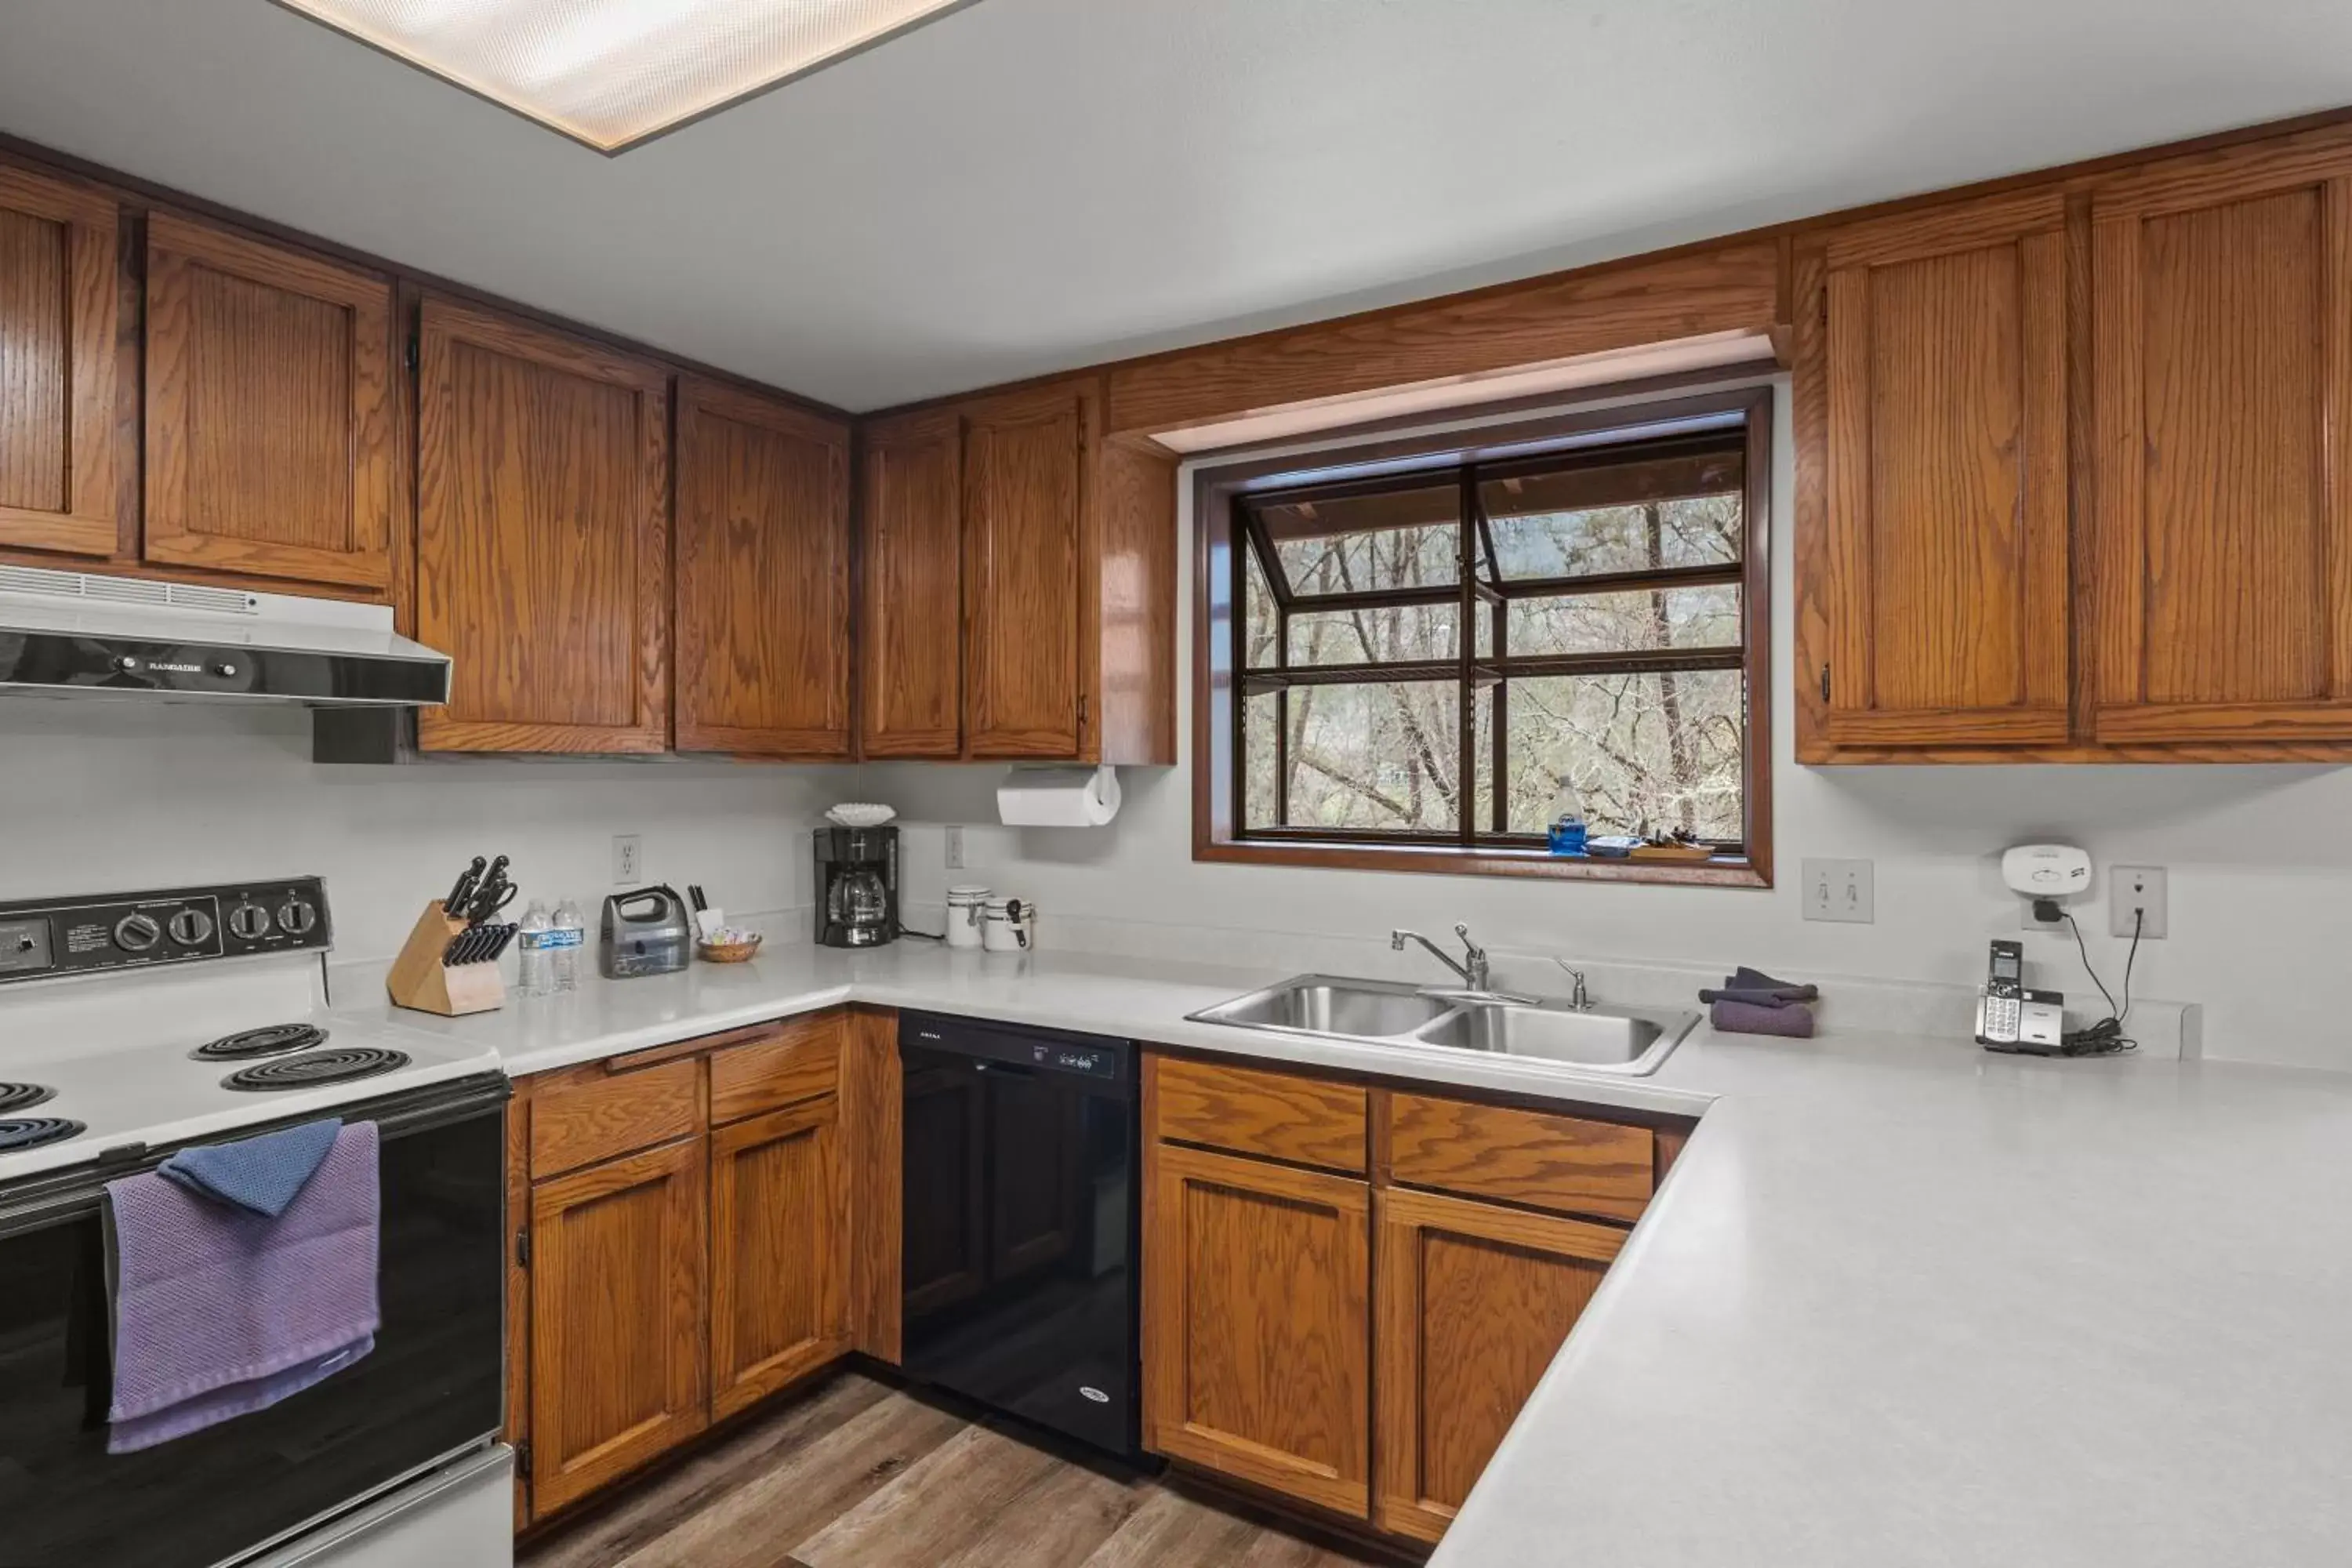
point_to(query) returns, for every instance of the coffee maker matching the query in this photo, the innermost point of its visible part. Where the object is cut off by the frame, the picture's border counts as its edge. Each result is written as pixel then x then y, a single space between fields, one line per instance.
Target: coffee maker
pixel 857 886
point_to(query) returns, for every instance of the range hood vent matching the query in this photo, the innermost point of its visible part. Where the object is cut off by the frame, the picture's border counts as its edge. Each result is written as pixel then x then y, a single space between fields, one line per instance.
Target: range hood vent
pixel 69 634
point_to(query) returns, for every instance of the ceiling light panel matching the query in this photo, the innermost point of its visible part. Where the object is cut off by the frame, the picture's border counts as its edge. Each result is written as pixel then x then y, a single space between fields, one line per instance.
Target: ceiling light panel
pixel 613 72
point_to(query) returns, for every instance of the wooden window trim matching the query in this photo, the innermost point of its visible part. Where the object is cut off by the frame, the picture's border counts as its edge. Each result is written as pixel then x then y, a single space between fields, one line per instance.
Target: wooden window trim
pixel 1216 789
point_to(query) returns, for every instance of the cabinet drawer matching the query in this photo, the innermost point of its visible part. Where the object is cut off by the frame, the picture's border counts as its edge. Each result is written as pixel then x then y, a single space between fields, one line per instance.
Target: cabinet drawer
pixel 1533 1157
pixel 799 1060
pixel 1305 1120
pixel 600 1115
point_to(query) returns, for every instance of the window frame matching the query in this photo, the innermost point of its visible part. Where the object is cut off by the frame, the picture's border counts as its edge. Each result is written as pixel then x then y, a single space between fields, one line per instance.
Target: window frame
pixel 1223 494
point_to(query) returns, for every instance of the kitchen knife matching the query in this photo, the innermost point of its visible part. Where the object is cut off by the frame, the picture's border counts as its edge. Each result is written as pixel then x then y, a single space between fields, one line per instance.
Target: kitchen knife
pixel 455 904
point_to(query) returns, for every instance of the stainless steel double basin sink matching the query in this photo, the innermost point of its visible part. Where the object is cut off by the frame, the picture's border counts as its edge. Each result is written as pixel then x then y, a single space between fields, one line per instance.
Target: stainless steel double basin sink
pixel 1627 1041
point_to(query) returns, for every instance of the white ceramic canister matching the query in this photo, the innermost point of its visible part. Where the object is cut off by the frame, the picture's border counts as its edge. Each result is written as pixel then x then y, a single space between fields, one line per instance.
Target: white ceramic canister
pixel 966 905
pixel 1001 930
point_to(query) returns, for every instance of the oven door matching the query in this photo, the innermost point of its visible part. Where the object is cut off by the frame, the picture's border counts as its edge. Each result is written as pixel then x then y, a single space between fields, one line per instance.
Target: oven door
pixel 433 1387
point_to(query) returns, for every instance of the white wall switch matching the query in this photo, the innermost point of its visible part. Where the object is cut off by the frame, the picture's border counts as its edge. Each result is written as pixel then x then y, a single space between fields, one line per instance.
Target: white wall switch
pixel 955 848
pixel 1839 890
pixel 2137 892
pixel 628 859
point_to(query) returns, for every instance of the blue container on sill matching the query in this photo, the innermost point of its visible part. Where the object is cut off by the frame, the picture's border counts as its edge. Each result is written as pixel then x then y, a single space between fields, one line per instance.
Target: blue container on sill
pixel 1566 835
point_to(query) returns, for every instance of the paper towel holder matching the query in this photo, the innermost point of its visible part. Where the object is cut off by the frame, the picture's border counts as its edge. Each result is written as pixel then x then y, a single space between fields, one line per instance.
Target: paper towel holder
pixel 1061 796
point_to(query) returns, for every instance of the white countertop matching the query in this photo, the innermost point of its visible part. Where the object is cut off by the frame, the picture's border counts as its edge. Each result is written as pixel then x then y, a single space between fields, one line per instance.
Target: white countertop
pixel 1900 1303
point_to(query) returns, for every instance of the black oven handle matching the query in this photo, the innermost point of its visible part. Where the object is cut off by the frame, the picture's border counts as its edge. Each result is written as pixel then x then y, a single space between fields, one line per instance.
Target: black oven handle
pixel 60 1196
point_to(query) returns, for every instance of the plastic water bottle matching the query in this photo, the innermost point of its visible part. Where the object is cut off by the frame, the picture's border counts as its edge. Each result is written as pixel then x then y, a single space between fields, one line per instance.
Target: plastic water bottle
pixel 569 935
pixel 535 970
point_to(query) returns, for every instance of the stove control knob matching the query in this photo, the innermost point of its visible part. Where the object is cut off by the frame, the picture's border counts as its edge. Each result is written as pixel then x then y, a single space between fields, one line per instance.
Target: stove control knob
pixel 191 928
pixel 137 933
pixel 250 923
pixel 295 918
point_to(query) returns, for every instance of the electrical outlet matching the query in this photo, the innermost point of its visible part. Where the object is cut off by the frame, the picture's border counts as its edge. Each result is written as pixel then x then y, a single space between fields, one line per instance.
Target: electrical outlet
pixel 2028 921
pixel 628 859
pixel 955 848
pixel 2136 891
pixel 1839 890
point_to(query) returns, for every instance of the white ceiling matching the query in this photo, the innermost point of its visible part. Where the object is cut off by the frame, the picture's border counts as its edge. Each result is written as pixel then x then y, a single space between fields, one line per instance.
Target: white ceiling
pixel 1032 185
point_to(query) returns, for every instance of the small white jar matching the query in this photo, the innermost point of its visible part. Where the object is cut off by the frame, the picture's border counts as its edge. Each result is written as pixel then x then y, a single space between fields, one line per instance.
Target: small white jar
pixel 1000 932
pixel 966 906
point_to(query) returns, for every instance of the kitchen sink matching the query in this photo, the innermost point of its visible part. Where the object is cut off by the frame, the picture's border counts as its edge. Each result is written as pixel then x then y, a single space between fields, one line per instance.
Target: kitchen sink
pixel 1629 1041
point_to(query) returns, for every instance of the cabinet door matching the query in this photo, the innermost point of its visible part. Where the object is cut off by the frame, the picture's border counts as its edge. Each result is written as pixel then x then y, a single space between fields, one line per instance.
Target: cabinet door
pixel 2221 368
pixel 1474 1301
pixel 269 414
pixel 542 538
pixel 1025 511
pixel 58 313
pixel 910 632
pixel 779 1252
pixel 1256 1323
pixel 616 1353
pixel 1944 577
pixel 762 576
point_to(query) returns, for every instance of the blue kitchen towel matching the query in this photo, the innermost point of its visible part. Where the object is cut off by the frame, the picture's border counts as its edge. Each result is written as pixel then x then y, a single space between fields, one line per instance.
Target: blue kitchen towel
pixel 219 1310
pixel 257 1174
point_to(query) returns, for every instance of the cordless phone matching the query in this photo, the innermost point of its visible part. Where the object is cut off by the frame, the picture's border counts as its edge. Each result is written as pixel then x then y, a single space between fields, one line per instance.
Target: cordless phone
pixel 2011 1018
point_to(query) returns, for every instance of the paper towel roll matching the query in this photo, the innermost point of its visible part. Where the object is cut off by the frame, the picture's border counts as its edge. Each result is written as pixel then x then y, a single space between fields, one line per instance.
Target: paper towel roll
pixel 1058 797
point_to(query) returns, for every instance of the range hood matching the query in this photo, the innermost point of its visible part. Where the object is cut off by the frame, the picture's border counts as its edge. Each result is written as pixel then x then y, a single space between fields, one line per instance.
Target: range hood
pixel 64 634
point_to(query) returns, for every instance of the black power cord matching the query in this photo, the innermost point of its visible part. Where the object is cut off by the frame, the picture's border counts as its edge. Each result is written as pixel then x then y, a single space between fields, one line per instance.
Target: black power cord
pixel 2105 1037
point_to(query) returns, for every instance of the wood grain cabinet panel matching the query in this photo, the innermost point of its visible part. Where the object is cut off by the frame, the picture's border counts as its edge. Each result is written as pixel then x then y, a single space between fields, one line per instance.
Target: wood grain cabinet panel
pixel 592 1113
pixel 58 306
pixel 1475 1302
pixel 1540 1158
pixel 764 548
pixel 1258 1323
pixel 269 410
pixel 616 1340
pixel 1027 599
pixel 910 638
pixel 1941 580
pixel 2222 419
pixel 1281 1116
pixel 799 1060
pixel 542 540
pixel 779 1252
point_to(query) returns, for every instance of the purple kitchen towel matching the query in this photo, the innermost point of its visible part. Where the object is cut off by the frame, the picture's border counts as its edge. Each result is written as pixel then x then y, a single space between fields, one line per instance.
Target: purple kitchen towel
pixel 1751 1018
pixel 219 1311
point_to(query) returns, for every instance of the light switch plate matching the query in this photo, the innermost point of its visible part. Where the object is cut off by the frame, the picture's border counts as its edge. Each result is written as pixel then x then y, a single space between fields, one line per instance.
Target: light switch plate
pixel 1839 890
pixel 2136 891
pixel 955 848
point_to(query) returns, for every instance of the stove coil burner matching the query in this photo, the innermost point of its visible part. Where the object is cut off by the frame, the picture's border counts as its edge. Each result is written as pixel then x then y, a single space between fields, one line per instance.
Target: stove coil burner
pixel 277 1040
pixel 15 1097
pixel 19 1133
pixel 315 1067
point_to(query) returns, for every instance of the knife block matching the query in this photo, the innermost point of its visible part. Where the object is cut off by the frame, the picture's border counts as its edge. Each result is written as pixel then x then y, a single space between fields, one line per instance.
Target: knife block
pixel 421 982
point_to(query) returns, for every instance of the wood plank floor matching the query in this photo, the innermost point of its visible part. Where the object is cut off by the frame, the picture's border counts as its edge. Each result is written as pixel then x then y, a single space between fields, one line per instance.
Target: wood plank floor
pixel 857 1474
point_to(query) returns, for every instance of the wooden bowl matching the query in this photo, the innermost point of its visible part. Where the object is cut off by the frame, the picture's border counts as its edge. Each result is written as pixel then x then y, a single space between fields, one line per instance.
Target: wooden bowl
pixel 728 951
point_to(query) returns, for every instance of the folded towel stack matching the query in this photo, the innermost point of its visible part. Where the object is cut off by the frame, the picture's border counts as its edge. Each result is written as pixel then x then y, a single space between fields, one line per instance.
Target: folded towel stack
pixel 1750 1002
pixel 244 1274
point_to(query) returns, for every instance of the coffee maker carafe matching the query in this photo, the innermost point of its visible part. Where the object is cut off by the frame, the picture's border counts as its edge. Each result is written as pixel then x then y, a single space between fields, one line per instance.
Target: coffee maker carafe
pixel 857 886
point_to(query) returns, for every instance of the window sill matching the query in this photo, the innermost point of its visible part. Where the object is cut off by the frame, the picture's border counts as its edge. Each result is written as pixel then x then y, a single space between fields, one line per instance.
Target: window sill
pixel 1723 871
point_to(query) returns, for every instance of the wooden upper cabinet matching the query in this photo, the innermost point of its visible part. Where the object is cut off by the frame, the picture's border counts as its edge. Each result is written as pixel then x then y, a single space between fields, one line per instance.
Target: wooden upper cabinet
pixel 764 545
pixel 270 446
pixel 1938 364
pixel 542 538
pixel 58 306
pixel 2222 426
pixel 780 1252
pixel 616 1347
pixel 910 644
pixel 1474 1303
pixel 1258 1323
pixel 1027 602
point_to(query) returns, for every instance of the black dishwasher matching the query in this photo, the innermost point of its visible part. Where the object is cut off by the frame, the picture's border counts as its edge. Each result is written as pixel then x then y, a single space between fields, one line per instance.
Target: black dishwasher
pixel 1022 1208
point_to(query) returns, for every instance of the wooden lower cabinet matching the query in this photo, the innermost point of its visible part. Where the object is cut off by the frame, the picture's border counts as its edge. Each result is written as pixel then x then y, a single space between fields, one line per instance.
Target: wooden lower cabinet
pixel 779 1252
pixel 1256 1323
pixel 616 1355
pixel 1473 1302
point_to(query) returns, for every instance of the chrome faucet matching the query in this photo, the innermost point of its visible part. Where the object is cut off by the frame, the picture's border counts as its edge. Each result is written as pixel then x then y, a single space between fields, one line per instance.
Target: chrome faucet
pixel 1472 968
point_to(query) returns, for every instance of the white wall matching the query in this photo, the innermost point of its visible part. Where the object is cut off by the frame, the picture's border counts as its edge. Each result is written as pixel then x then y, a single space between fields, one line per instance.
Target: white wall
pixel 106 795
pixel 2261 873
